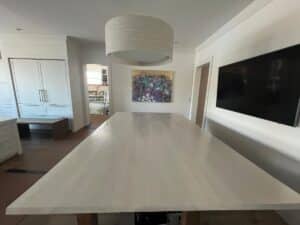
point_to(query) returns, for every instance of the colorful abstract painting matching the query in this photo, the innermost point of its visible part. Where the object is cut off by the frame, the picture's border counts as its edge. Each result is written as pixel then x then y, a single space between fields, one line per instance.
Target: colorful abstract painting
pixel 152 86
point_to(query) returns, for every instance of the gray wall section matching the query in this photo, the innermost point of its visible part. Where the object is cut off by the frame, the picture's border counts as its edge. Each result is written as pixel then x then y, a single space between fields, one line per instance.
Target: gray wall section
pixel 280 166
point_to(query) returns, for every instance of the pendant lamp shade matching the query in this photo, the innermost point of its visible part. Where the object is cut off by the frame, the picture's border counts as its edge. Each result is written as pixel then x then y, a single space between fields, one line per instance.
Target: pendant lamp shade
pixel 139 40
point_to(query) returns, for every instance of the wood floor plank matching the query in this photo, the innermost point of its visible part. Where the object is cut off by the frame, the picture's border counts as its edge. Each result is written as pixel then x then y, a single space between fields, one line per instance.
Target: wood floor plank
pixel 41 153
pixel 232 218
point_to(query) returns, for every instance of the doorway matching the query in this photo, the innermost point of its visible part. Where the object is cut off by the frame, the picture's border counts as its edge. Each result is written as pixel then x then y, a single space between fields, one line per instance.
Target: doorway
pixel 98 89
pixel 203 72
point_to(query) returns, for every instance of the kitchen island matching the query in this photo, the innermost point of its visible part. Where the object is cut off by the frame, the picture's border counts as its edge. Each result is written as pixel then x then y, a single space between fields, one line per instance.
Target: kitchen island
pixel 9 139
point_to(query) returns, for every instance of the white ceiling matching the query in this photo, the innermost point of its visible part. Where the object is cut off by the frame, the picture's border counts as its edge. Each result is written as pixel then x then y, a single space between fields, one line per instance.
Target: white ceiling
pixel 193 20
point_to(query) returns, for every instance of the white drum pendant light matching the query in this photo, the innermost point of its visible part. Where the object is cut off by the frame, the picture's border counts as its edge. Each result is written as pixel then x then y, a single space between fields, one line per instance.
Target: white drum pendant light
pixel 139 40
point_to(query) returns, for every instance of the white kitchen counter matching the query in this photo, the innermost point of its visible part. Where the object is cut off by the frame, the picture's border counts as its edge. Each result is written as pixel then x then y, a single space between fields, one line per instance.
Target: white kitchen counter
pixel 9 138
pixel 153 162
pixel 6 120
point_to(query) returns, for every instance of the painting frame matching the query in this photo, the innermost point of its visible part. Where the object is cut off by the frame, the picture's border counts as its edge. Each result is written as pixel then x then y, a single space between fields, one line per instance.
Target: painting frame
pixel 152 86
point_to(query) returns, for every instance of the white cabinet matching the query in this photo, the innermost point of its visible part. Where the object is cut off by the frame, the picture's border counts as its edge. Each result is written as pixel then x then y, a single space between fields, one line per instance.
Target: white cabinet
pixel 55 82
pixel 42 88
pixel 55 87
pixel 28 81
pixel 28 86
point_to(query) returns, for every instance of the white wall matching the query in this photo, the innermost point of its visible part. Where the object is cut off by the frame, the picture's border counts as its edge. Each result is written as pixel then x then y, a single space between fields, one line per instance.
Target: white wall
pixel 121 83
pixel 273 146
pixel 94 53
pixel 122 86
pixel 7 101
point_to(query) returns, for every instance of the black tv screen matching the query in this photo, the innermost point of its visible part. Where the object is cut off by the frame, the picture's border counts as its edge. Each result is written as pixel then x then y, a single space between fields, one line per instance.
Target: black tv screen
pixel 267 86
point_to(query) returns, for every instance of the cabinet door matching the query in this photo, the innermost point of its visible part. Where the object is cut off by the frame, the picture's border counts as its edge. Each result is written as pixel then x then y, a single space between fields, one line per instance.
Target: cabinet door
pixel 28 86
pixel 56 88
pixel 32 111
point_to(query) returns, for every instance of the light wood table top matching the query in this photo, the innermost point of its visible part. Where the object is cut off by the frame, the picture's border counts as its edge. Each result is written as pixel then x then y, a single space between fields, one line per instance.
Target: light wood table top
pixel 153 162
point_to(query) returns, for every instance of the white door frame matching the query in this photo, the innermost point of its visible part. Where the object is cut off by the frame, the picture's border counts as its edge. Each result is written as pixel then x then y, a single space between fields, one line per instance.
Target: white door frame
pixel 85 95
pixel 195 90
pixel 85 84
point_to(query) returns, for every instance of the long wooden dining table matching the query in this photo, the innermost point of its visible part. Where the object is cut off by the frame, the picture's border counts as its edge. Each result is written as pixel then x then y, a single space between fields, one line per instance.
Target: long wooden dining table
pixel 152 162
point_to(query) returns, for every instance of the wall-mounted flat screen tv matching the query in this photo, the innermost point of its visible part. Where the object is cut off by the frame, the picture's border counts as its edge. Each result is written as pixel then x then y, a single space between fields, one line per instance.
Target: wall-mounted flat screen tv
pixel 266 86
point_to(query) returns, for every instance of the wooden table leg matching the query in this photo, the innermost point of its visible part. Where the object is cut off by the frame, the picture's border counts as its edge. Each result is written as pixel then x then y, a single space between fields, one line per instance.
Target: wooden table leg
pixel 87 219
pixel 190 218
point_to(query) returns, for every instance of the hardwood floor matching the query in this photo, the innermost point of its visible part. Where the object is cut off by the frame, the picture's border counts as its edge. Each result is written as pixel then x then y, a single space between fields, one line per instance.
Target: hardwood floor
pixel 232 218
pixel 41 153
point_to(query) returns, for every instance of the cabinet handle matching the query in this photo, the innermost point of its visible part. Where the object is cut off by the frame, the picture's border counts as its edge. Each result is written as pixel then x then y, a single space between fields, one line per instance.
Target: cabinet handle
pixel 45 95
pixel 41 95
